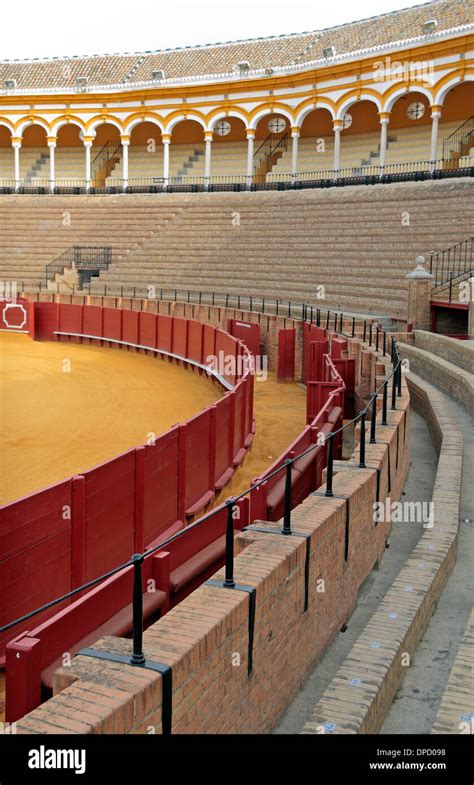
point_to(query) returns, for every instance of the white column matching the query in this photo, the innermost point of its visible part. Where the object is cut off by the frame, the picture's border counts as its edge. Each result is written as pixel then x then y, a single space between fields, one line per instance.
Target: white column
pixel 384 120
pixel 88 145
pixel 52 176
pixel 166 139
pixel 16 149
pixel 295 135
pixel 207 162
pixel 337 124
pixel 250 149
pixel 125 143
pixel 435 115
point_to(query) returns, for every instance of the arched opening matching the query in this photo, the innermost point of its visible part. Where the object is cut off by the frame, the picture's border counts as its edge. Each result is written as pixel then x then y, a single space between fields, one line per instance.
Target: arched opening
pixel 186 151
pixel 409 130
pixel 106 153
pixel 316 145
pixel 145 153
pixel 229 148
pixel 360 137
pixel 34 156
pixel 456 128
pixel 272 143
pixel 7 160
pixel 70 160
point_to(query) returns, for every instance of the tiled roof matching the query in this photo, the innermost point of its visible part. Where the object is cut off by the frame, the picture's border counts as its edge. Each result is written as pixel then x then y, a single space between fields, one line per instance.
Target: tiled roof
pixel 214 59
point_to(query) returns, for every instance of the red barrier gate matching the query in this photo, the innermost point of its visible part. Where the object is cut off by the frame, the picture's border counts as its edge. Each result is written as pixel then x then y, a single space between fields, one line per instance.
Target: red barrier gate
pixel 286 354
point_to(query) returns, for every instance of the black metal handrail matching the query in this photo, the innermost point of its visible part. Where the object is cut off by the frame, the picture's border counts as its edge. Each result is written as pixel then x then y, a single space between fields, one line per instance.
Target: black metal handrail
pixel 459 142
pixel 137 559
pixel 88 260
pixel 452 263
pixel 106 152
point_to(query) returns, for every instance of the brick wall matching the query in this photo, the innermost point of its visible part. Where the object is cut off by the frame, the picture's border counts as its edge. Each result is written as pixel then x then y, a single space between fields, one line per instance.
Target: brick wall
pixel 205 639
pixel 450 378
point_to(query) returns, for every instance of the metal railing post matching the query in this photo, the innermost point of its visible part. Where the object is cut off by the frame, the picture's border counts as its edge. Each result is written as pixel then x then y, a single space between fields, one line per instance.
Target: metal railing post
pixel 394 389
pixel 138 658
pixel 329 466
pixel 287 514
pixel 399 379
pixel 365 330
pixel 373 419
pixel 384 402
pixel 353 326
pixel 229 545
pixel 362 442
pixel 370 334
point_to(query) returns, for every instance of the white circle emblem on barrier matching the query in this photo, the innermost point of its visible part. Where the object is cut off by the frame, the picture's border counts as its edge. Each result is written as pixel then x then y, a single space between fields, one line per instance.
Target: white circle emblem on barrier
pixel 15 306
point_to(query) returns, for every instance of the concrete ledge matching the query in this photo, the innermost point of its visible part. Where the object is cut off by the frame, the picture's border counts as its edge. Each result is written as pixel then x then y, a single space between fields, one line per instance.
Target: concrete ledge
pixel 443 374
pixel 363 688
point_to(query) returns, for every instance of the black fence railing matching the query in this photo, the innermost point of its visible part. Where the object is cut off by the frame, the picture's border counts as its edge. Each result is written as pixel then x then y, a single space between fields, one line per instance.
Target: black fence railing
pixel 459 143
pixel 392 380
pixel 452 264
pixel 321 178
pixel 87 260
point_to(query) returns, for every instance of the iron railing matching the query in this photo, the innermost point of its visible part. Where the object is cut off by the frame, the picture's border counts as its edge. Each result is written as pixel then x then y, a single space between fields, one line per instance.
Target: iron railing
pixel 88 260
pixel 322 178
pixel 459 143
pixel 105 154
pixel 136 560
pixel 451 265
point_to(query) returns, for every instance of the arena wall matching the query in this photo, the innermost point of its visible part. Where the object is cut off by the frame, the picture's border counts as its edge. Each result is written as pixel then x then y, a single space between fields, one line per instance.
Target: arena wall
pixel 221 684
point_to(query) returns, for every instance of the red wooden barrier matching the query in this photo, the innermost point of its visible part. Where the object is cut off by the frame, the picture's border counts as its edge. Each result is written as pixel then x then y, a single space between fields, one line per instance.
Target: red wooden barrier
pixel 248 332
pixel 195 341
pixel 338 345
pixel 16 315
pixel 45 321
pixel 286 354
pixel 137 499
pixel 130 326
pixel 199 479
pixel 165 333
pixel 310 333
pixel 180 336
pixel 317 350
pixel 160 504
pixel 109 500
pixel 147 329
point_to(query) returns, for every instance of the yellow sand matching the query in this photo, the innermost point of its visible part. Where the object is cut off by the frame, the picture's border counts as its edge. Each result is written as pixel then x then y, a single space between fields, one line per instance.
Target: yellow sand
pixel 56 422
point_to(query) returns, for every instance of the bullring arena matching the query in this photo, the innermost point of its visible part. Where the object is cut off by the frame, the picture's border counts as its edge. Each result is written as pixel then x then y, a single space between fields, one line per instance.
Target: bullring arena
pixel 237 324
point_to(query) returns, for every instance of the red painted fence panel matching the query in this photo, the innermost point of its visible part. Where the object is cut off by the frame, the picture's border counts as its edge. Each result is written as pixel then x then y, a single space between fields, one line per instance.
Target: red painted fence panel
pixel 109 498
pixel 147 329
pixel 180 336
pixel 199 482
pixel 92 320
pixel 161 485
pixel 45 321
pixel 165 333
pixel 195 341
pixel 130 326
pixel 113 324
pixel 286 354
